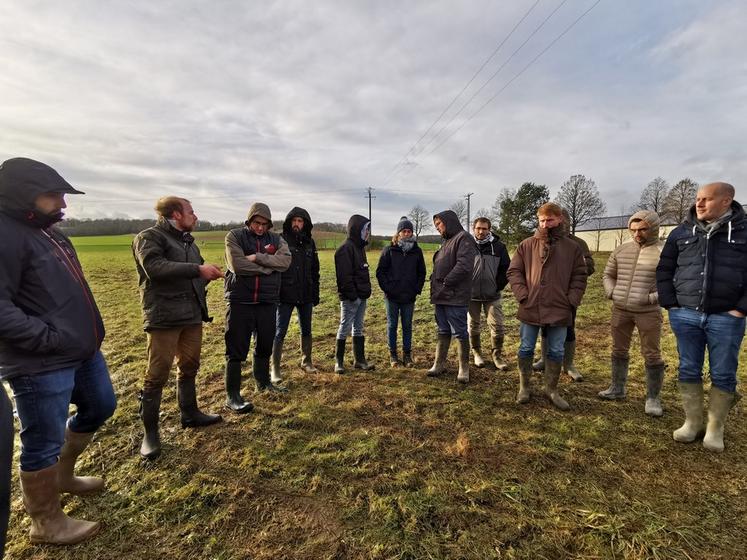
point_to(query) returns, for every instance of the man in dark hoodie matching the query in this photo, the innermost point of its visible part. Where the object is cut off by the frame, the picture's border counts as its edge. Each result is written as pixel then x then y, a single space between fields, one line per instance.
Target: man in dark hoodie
pixel 354 289
pixel 451 291
pixel 702 281
pixel 50 339
pixel 255 259
pixel 299 289
pixel 173 279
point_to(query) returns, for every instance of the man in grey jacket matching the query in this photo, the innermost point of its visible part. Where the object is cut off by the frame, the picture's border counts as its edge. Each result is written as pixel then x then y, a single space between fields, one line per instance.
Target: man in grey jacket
pixel 488 280
pixel 630 282
pixel 173 278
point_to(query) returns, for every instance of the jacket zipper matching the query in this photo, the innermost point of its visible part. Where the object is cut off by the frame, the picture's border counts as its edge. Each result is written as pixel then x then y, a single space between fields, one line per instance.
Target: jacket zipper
pixel 256 281
pixel 77 273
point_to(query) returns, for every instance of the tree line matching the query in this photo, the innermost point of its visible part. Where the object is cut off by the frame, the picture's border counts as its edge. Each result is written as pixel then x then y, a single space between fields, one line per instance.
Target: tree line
pixel 514 212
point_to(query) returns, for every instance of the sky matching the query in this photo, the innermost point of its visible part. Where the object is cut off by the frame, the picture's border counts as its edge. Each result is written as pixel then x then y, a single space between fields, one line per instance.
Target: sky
pixel 309 104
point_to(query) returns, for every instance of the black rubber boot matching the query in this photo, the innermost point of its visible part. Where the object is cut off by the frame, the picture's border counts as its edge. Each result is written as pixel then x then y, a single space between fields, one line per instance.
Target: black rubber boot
pixel 359 352
pixel 261 371
pixel 191 415
pixel 150 405
pixel 340 356
pixel 233 389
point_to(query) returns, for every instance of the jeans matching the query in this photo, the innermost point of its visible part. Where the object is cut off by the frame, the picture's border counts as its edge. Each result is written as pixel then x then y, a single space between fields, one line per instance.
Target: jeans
pixel 352 315
pixel 394 311
pixel 43 401
pixel 452 319
pixel 184 343
pixel 284 312
pixel 6 460
pixel 555 341
pixel 570 335
pixel 721 333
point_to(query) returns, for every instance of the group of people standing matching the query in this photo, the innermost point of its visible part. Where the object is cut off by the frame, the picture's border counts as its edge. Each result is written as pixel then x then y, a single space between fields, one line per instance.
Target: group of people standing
pixel 52 330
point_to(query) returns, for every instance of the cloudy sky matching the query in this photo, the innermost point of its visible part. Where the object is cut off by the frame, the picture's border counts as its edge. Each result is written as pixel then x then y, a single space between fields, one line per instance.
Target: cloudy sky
pixel 309 103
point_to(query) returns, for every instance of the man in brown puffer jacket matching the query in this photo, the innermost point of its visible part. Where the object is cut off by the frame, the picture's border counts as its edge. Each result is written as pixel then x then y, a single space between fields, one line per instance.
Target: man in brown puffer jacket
pixel 630 282
pixel 548 278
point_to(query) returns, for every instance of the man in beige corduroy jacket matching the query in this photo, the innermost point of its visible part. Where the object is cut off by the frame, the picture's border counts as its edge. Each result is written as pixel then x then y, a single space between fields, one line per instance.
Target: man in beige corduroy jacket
pixel 630 282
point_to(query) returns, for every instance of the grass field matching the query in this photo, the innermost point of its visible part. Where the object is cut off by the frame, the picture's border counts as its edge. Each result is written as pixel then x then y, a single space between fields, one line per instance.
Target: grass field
pixel 394 465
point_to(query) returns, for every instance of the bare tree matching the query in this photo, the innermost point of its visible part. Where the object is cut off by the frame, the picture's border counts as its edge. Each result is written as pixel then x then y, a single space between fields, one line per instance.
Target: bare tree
pixel 486 213
pixel 580 197
pixel 421 219
pixel 460 209
pixel 680 198
pixel 654 195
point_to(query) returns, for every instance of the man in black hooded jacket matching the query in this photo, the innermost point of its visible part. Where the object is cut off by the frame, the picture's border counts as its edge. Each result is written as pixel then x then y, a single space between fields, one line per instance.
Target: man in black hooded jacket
pixel 299 289
pixel 50 335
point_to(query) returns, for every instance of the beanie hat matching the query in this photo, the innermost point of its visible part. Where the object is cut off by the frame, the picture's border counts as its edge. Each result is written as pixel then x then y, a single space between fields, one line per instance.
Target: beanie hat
pixel 404 223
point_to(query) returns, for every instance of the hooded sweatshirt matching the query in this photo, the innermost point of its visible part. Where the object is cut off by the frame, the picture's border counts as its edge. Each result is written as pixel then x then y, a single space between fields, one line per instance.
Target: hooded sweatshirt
pixel 453 263
pixel 50 320
pixel 630 274
pixel 300 282
pixel 250 282
pixel 351 264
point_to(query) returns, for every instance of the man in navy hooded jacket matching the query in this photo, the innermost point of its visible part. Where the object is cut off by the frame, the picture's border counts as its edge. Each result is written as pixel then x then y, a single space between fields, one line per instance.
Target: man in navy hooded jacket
pixel 50 335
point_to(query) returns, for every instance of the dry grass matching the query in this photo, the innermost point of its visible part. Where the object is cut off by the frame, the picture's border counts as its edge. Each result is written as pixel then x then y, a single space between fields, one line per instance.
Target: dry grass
pixel 394 465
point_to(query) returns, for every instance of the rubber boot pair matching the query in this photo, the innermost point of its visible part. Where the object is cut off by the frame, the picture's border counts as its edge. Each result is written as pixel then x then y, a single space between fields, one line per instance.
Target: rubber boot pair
pixel 49 524
pixel 720 402
pixel 551 377
pixel 234 401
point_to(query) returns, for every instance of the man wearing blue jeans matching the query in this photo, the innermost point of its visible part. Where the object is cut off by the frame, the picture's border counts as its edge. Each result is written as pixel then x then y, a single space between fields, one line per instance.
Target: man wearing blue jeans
pixel 702 282
pixel 50 337
pixel 354 289
pixel 548 278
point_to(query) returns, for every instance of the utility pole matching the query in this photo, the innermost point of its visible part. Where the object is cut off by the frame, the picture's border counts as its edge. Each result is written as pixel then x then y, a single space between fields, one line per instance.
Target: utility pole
pixel 467 196
pixel 369 195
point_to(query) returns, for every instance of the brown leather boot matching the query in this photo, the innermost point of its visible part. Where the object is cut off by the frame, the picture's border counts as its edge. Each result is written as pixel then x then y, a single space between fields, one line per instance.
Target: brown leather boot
pixel 49 524
pixel 74 445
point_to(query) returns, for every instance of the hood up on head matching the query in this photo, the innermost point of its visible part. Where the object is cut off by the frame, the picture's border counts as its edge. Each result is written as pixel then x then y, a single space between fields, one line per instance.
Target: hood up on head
pixel 356 225
pixel 453 225
pixel 259 209
pixel 652 219
pixel 298 212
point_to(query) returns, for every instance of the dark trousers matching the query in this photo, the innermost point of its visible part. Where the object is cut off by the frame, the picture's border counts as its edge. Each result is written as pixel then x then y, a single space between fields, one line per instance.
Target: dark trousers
pixel 245 320
pixel 6 459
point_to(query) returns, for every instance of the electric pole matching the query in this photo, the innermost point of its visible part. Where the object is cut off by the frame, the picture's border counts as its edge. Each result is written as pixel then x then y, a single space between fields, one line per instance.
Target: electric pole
pixel 467 196
pixel 369 195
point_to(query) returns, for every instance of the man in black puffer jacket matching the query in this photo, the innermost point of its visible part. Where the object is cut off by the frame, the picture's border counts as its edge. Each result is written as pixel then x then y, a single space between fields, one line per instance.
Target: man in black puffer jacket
pixel 299 289
pixel 255 257
pixel 50 335
pixel 451 291
pixel 354 289
pixel 173 279
pixel 702 281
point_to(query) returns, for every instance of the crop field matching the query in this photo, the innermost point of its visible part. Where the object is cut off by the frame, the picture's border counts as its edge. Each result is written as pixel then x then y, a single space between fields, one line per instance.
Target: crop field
pixel 393 465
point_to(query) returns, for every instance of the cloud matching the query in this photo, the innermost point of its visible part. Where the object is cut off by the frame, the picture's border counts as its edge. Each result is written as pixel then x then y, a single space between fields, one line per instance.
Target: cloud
pixel 309 104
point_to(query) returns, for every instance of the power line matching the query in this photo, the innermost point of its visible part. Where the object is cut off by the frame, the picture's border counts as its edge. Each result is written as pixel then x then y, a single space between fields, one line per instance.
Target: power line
pixel 490 79
pixel 542 52
pixel 472 79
